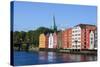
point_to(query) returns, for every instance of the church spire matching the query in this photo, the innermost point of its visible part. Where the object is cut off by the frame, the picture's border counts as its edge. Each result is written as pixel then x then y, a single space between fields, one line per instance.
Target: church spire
pixel 54 24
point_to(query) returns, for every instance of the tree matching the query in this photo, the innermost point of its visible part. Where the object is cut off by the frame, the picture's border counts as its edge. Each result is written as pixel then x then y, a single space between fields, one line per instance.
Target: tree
pixel 31 35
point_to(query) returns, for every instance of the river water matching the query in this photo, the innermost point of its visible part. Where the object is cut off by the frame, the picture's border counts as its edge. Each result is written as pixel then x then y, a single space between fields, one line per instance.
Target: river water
pixel 43 57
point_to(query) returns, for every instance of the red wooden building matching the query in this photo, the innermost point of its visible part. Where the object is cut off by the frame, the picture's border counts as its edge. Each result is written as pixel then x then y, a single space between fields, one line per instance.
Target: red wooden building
pixel 67 38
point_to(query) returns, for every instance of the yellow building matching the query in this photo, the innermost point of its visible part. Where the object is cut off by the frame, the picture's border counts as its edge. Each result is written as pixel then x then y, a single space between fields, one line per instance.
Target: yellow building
pixel 42 41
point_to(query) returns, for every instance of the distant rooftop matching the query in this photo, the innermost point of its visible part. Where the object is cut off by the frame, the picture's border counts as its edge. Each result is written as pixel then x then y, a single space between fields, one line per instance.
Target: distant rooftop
pixel 84 25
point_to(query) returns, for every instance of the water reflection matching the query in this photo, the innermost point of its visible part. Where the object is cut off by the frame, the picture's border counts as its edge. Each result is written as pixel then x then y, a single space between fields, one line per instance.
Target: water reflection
pixel 43 57
pixel 66 57
pixel 54 57
pixel 88 57
pixel 51 57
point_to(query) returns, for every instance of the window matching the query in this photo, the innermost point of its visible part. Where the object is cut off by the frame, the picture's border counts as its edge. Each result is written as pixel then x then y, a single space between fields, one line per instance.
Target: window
pixel 78 34
pixel 85 43
pixel 78 45
pixel 91 38
pixel 91 42
pixel 79 42
pixel 85 39
pixel 75 34
pixel 84 46
pixel 75 38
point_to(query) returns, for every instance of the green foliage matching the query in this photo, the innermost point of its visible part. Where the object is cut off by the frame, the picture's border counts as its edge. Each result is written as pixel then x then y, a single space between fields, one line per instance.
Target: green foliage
pixel 31 36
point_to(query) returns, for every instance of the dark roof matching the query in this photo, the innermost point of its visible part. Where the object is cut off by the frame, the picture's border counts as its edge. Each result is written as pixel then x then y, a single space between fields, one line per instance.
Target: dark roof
pixel 84 25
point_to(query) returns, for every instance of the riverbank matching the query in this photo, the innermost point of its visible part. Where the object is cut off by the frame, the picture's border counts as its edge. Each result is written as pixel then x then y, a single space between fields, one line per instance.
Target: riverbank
pixel 70 51
pixel 92 52
pixel 73 51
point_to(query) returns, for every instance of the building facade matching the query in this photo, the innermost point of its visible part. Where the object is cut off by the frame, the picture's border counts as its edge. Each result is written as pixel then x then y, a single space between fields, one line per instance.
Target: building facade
pixel 59 39
pixel 50 44
pixel 81 36
pixel 88 30
pixel 67 39
pixel 42 41
pixel 76 37
pixel 54 40
pixel 91 40
pixel 95 39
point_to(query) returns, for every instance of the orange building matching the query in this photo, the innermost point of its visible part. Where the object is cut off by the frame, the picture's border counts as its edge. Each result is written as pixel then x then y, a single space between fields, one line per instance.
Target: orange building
pixel 67 38
pixel 43 41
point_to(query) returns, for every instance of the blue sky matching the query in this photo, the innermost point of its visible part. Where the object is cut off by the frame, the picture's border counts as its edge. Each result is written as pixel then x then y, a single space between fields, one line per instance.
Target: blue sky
pixel 31 15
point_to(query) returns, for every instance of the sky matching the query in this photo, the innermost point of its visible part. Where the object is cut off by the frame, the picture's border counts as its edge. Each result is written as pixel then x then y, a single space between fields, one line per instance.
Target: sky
pixel 32 15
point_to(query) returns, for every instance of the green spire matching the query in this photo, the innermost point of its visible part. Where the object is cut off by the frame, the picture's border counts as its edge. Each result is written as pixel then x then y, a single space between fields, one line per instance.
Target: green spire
pixel 54 26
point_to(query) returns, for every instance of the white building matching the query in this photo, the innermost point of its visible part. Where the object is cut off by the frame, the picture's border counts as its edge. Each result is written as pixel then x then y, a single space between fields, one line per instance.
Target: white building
pixel 76 37
pixel 91 40
pixel 95 39
pixel 50 45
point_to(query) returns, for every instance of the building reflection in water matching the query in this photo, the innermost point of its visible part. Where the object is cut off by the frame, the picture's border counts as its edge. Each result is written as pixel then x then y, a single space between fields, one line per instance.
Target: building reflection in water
pixel 43 57
pixel 54 57
pixel 51 57
pixel 88 58
pixel 77 58
pixel 66 57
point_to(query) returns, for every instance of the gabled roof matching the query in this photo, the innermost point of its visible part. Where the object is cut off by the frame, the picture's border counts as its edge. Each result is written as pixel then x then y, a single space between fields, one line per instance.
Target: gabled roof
pixel 84 25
